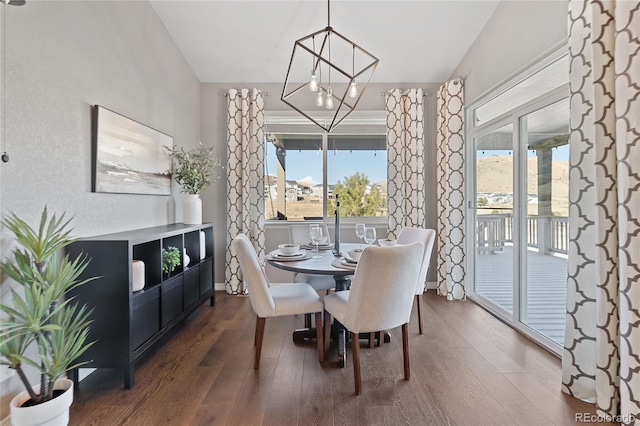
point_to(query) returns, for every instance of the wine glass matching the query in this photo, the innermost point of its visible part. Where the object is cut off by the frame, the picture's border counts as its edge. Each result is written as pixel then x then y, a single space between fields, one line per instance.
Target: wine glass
pixel 370 235
pixel 360 232
pixel 315 233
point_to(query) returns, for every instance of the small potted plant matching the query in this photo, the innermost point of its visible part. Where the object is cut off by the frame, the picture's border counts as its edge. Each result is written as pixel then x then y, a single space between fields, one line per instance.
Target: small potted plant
pixel 194 171
pixel 170 259
pixel 38 315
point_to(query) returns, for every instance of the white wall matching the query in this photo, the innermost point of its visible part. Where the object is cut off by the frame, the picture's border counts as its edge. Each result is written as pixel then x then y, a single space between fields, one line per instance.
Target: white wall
pixel 62 58
pixel 516 34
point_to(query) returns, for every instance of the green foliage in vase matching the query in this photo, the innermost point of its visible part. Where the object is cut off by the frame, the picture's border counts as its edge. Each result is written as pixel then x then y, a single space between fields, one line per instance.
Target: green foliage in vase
pixel 357 197
pixel 170 259
pixel 39 314
pixel 194 170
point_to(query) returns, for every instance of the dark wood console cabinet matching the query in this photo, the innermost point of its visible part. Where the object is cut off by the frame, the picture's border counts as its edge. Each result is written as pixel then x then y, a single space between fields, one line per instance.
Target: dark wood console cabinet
pixel 125 323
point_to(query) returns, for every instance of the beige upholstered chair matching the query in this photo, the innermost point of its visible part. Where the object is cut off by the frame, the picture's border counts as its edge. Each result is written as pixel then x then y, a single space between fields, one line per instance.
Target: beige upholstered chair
pixel 299 234
pixel 380 298
pixel 427 237
pixel 276 301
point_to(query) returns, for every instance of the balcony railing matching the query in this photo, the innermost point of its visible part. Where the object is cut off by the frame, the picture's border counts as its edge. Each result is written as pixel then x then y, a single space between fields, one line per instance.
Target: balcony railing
pixel 549 234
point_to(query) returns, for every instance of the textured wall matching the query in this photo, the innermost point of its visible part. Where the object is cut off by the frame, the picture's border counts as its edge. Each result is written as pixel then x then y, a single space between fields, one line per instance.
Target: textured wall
pixel 517 33
pixel 61 58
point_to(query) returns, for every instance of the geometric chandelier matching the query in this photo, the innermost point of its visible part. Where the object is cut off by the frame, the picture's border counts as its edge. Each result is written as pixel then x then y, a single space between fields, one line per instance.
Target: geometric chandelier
pixel 327 76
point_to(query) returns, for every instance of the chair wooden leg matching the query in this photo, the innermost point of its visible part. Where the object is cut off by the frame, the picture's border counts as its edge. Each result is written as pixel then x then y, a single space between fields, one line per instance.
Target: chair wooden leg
pixel 255 334
pixel 307 320
pixel 319 340
pixel 372 338
pixel 405 350
pixel 380 336
pixel 327 332
pixel 418 302
pixel 355 345
pixel 260 322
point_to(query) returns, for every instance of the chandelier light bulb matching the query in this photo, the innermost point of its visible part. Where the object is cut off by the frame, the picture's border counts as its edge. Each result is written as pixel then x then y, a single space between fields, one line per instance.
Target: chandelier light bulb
pixel 329 99
pixel 353 90
pixel 319 99
pixel 313 84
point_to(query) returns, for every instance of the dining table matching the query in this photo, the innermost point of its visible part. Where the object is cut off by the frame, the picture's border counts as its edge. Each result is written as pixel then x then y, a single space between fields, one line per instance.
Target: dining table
pixel 326 262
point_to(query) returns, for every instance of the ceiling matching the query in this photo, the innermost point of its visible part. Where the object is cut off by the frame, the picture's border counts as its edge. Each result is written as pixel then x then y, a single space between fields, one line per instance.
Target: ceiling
pixel 240 41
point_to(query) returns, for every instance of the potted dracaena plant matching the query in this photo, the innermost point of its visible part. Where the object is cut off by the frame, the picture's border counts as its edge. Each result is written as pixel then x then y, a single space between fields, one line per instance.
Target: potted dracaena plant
pixel 37 318
pixel 194 171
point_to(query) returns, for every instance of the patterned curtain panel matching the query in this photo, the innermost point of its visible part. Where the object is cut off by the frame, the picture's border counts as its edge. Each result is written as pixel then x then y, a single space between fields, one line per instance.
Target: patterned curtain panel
pixel 601 361
pixel 405 159
pixel 245 178
pixel 450 190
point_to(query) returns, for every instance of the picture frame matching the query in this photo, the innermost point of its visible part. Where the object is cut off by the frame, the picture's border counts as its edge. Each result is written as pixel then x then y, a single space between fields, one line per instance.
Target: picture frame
pixel 129 157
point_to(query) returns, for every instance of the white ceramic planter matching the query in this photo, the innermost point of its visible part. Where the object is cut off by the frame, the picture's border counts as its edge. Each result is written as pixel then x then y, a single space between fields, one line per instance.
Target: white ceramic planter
pixel 191 209
pixel 185 258
pixel 137 267
pixel 203 247
pixel 53 413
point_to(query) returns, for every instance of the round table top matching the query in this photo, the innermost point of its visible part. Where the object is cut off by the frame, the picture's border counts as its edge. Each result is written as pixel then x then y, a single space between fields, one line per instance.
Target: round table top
pixel 322 266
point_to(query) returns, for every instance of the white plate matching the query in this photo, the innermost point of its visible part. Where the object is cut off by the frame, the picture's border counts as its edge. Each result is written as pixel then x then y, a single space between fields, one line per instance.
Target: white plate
pixel 345 262
pixel 277 253
pixel 350 259
pixel 319 245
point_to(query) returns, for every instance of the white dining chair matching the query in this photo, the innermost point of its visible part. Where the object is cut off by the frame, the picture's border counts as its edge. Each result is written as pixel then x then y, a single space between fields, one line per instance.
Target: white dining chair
pixel 299 234
pixel 274 301
pixel 427 238
pixel 380 298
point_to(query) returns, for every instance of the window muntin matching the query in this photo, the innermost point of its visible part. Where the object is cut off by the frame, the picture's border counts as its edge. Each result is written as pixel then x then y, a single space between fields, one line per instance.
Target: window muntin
pixel 356 167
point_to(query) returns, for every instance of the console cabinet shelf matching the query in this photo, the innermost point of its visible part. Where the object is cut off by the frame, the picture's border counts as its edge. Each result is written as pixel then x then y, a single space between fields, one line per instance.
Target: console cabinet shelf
pixel 126 324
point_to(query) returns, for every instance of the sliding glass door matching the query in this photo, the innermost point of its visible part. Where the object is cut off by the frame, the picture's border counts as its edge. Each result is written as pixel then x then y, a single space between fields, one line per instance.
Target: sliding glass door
pixel 519 206
pixel 545 135
pixel 494 215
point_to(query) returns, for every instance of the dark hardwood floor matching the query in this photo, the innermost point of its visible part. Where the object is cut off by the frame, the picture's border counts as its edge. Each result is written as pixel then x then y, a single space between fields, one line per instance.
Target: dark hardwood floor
pixel 467 369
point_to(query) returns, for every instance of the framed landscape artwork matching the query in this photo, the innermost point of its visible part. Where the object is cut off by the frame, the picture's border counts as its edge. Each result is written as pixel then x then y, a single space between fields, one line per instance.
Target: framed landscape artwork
pixel 129 157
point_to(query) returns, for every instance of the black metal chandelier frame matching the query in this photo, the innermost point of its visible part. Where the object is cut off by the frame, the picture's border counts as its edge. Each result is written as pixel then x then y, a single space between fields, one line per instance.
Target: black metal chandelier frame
pixel 323 55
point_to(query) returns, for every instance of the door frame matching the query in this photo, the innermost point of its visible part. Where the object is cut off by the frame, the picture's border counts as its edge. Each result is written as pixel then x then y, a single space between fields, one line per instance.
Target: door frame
pixel 514 117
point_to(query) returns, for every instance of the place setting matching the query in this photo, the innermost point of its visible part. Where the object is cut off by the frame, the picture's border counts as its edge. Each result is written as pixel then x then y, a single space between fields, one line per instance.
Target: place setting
pixel 289 253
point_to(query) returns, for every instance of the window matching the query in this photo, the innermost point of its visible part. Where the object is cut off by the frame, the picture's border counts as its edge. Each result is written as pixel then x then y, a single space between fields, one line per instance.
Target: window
pixel 305 171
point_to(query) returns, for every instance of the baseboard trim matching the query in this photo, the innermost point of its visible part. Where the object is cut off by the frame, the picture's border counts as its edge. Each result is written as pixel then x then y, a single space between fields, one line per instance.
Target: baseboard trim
pixel 216 287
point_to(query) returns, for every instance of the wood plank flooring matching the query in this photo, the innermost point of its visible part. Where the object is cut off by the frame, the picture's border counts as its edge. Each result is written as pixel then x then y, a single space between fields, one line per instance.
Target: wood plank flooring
pixel 467 369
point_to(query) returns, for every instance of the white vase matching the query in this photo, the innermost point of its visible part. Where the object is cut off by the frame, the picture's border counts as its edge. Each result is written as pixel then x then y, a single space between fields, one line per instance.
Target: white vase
pixel 185 258
pixel 54 412
pixel 191 209
pixel 137 267
pixel 203 246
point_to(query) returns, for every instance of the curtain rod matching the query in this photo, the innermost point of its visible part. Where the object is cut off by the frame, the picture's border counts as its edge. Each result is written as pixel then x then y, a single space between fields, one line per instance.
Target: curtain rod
pixel 263 94
pixel 424 95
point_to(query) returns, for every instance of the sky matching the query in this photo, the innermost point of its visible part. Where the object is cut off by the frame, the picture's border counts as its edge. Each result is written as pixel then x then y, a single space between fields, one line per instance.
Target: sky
pixel 307 165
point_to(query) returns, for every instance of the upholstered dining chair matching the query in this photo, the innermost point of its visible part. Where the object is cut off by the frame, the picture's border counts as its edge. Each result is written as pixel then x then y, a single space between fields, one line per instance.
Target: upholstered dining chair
pixel 427 237
pixel 299 234
pixel 380 298
pixel 274 301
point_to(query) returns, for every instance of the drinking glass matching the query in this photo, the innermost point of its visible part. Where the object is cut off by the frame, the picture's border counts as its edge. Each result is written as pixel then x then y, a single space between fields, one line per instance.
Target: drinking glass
pixel 315 233
pixel 360 232
pixel 370 235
